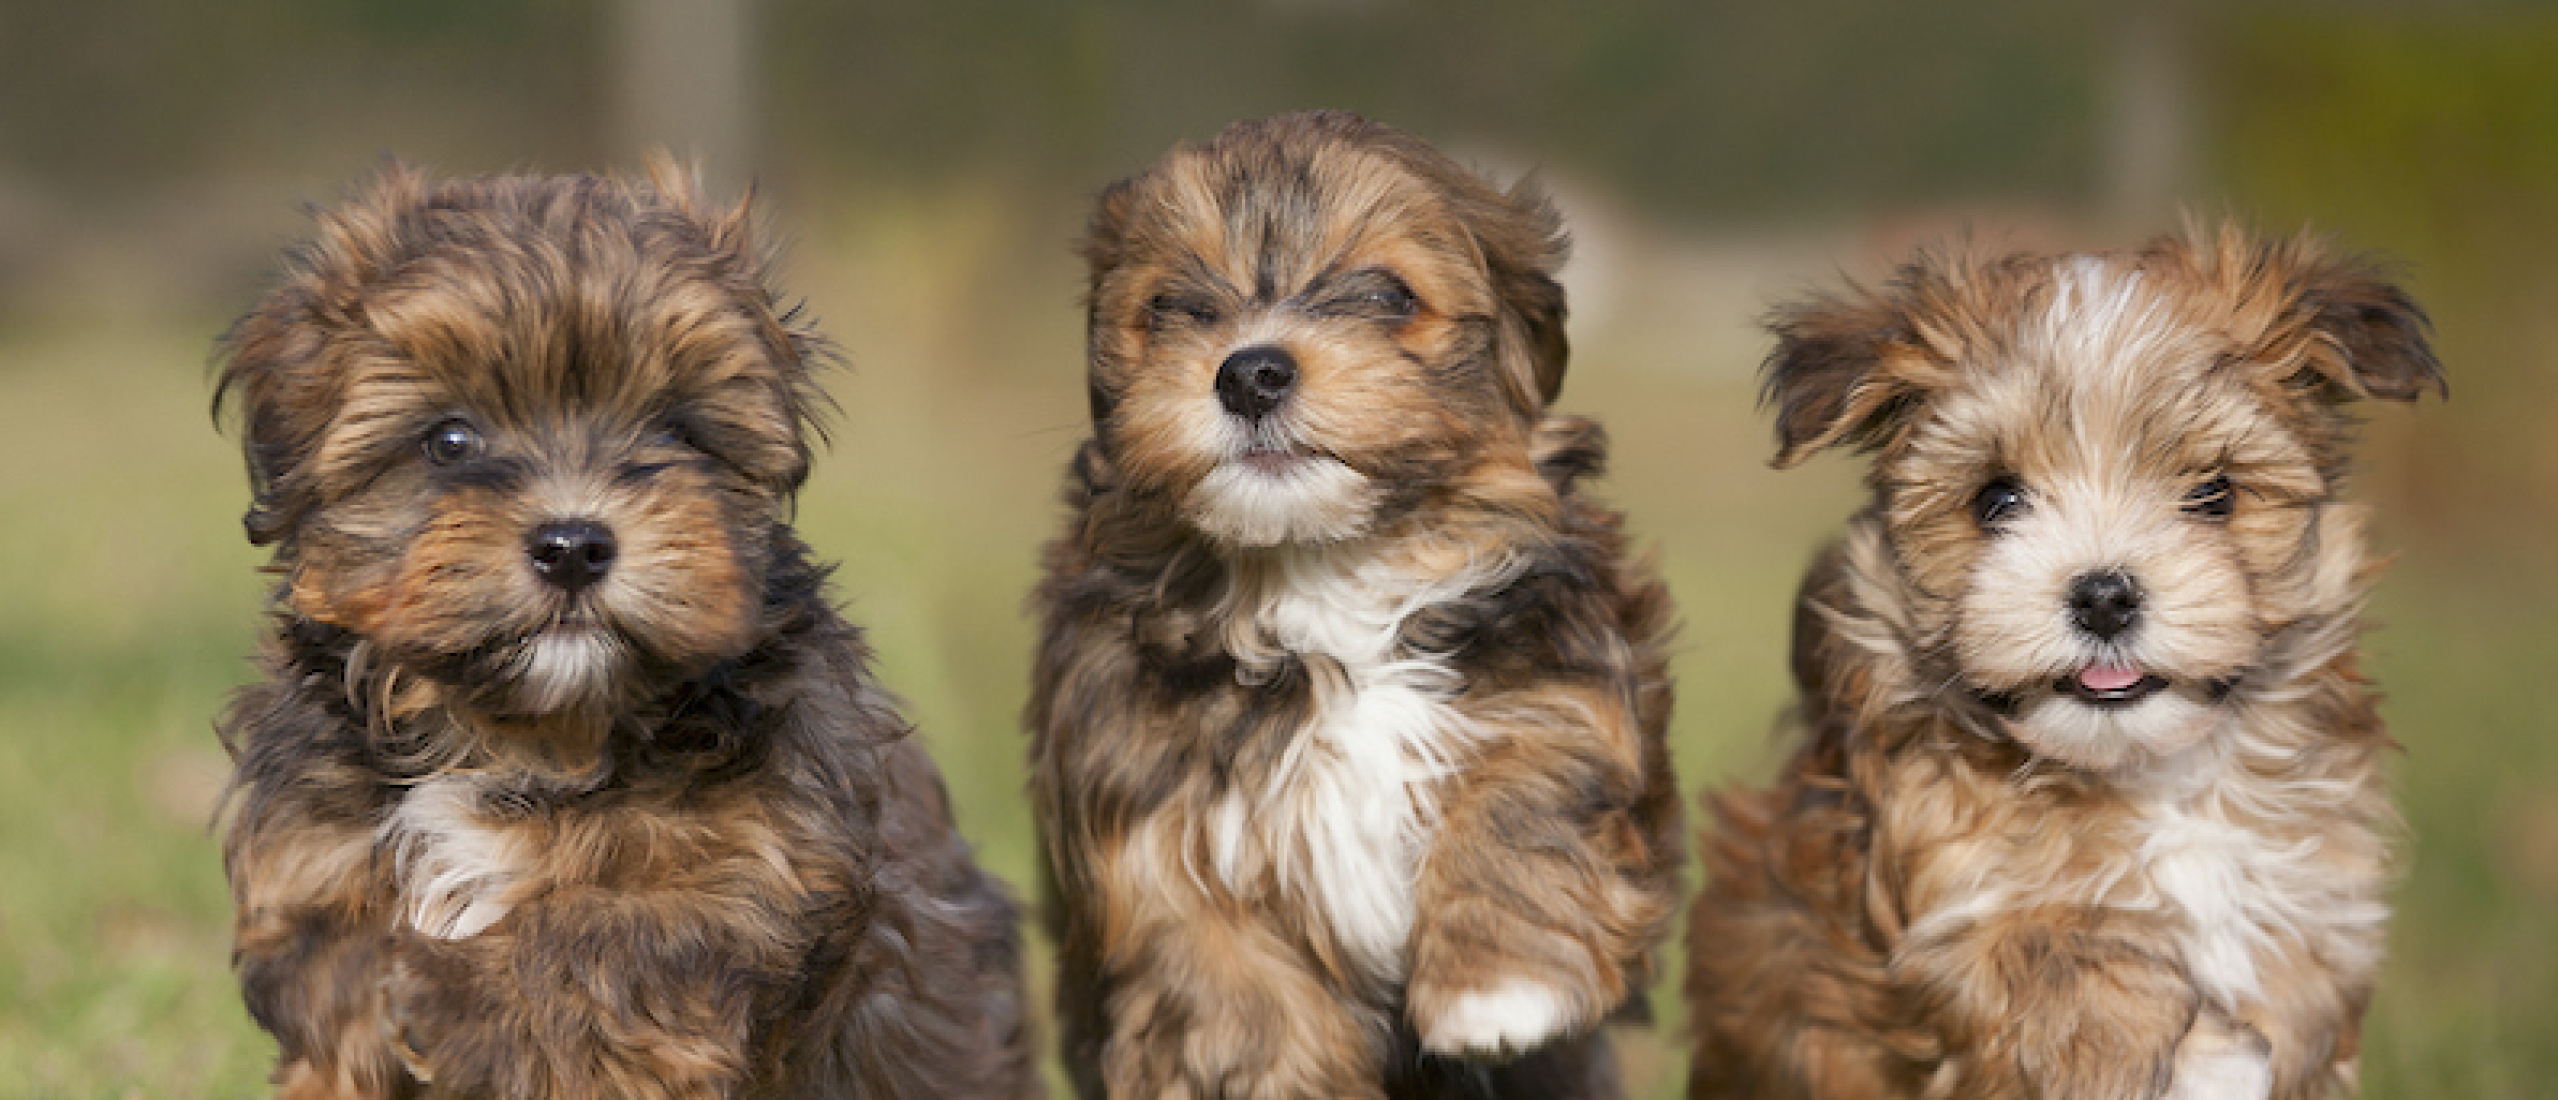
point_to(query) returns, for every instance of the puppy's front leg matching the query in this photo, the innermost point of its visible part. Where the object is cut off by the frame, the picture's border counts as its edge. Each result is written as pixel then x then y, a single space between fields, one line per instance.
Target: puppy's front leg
pixel 1207 1002
pixel 1542 896
pixel 2061 1002
pixel 309 940
pixel 2222 1059
pixel 313 979
pixel 586 992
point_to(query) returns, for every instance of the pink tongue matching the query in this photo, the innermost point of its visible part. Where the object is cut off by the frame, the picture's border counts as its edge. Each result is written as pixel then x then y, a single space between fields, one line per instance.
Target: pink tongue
pixel 2108 677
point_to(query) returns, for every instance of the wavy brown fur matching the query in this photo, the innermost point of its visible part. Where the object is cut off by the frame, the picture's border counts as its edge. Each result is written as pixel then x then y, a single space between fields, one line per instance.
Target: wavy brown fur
pixel 700 857
pixel 1963 885
pixel 1190 746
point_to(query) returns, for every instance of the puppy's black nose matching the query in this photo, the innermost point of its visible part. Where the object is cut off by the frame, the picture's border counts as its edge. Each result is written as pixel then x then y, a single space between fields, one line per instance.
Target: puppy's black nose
pixel 1255 380
pixel 571 554
pixel 2104 604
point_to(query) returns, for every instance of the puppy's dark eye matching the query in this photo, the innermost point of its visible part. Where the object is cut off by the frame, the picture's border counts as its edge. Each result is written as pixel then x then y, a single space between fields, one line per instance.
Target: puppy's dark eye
pixel 1389 297
pixel 2001 500
pixel 1376 294
pixel 675 434
pixel 1164 310
pixel 452 441
pixel 2212 499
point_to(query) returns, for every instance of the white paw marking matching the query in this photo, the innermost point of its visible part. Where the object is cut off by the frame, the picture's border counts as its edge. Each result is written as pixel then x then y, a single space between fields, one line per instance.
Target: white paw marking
pixel 1517 1017
pixel 2221 1067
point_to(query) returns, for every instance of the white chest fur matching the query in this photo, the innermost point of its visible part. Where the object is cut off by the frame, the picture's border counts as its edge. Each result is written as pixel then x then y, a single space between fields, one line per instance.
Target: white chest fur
pixel 2245 891
pixel 2228 884
pixel 1343 823
pixel 455 870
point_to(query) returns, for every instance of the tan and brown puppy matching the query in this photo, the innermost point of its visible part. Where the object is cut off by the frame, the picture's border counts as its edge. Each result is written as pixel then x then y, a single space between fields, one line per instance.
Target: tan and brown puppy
pixel 1347 729
pixel 2089 799
pixel 565 779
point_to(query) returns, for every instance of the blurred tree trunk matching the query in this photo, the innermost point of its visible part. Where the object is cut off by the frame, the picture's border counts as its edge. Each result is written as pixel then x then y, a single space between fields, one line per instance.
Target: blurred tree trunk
pixel 2150 131
pixel 684 74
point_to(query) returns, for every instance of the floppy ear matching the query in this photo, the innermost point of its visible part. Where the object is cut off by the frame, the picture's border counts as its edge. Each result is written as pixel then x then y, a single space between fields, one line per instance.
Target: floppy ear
pixel 1104 248
pixel 1828 380
pixel 1524 257
pixel 731 234
pixel 273 359
pixel 2371 337
pixel 267 353
pixel 1105 242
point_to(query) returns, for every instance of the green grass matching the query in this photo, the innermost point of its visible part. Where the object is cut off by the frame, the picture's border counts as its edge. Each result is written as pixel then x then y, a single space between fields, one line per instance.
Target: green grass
pixel 129 599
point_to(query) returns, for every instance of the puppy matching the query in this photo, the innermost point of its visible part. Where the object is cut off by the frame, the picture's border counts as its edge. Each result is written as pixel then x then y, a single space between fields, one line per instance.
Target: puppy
pixel 2088 801
pixel 565 780
pixel 1347 729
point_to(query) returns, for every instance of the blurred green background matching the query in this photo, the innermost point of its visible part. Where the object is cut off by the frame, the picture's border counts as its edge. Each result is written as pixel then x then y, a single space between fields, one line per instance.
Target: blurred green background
pixel 928 165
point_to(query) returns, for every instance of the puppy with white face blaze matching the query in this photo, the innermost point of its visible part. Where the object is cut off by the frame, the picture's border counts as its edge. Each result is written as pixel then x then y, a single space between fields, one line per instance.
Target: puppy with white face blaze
pixel 2088 799
pixel 565 778
pixel 1348 715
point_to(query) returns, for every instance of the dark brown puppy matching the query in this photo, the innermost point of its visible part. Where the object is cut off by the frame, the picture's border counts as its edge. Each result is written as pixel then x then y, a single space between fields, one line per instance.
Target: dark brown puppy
pixel 2089 799
pixel 565 779
pixel 1347 729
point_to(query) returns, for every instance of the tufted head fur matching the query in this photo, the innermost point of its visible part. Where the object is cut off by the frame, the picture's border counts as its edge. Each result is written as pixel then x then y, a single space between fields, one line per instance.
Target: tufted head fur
pixel 564 779
pixel 453 372
pixel 2088 799
pixel 1350 702
pixel 1401 312
pixel 2064 441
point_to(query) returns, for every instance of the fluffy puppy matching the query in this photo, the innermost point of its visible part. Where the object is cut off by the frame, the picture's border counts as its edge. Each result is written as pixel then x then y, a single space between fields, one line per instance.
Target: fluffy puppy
pixel 1347 730
pixel 2088 801
pixel 565 780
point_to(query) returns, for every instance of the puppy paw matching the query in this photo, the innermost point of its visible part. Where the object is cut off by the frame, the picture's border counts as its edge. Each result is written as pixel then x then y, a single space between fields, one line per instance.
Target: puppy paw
pixel 445 1021
pixel 401 989
pixel 2222 1060
pixel 1512 1018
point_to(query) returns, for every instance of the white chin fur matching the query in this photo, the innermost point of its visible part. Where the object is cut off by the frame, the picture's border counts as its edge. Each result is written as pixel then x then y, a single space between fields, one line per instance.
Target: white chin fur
pixel 560 670
pixel 1313 500
pixel 2101 738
